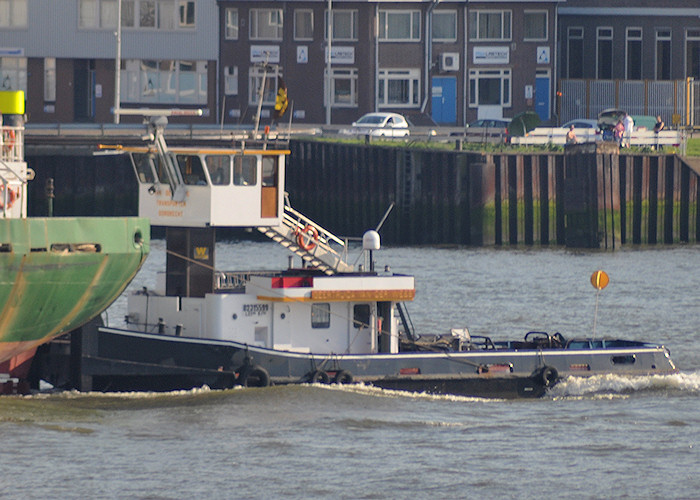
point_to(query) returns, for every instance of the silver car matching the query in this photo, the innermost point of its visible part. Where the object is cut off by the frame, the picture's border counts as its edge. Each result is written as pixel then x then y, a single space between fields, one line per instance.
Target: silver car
pixel 381 125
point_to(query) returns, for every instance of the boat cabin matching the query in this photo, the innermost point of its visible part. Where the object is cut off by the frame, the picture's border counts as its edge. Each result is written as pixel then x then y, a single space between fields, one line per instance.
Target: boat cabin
pixel 219 187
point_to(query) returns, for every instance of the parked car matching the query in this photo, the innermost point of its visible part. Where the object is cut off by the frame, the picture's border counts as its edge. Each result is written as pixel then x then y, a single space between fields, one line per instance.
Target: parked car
pixel 487 130
pixel 581 123
pixel 380 125
pixel 607 119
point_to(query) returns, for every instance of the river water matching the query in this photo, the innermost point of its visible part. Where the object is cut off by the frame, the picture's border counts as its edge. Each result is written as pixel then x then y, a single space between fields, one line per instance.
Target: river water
pixel 596 438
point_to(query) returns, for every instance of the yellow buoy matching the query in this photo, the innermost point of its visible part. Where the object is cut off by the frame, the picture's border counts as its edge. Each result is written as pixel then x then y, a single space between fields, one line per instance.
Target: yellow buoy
pixel 599 280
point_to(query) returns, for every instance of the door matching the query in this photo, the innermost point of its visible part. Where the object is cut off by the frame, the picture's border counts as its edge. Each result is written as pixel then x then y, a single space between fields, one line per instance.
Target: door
pixel 83 90
pixel 542 94
pixel 444 101
pixel 269 188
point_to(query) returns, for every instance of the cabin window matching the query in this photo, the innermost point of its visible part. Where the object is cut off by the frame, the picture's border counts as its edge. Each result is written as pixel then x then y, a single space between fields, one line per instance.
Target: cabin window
pixel 269 171
pixel 142 163
pixel 244 171
pixel 628 359
pixel 219 168
pixel 191 170
pixel 321 315
pixel 361 316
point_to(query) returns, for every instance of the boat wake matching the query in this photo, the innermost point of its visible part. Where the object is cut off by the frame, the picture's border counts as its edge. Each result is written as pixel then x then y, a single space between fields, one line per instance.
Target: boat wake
pixel 617 386
pixel 393 393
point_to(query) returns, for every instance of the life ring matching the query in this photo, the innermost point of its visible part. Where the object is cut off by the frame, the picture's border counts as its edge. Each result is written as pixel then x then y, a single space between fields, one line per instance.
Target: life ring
pixel 308 237
pixel 255 376
pixel 548 376
pixel 8 140
pixel 11 197
pixel 343 377
pixel 319 377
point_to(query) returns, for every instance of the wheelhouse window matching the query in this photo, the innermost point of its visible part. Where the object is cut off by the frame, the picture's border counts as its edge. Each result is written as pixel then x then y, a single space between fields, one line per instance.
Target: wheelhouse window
pixel 219 167
pixel 255 79
pixel 320 315
pixel 574 47
pixel 244 171
pixel 144 171
pixel 604 53
pixel 535 25
pixel 663 54
pixel 13 14
pixel 231 30
pixel 266 24
pixel 164 81
pixel 399 26
pixel 399 88
pixel 191 170
pixel 444 26
pixel 303 24
pixel 634 54
pixel 489 25
pixel 488 87
pixel 343 87
pixel 344 25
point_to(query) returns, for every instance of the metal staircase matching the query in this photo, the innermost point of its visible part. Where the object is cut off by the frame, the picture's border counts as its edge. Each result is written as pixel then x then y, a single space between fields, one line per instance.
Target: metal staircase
pixel 309 241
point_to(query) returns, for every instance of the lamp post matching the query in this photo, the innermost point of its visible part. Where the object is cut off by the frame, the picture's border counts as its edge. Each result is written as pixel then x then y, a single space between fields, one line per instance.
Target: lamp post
pixel 329 100
pixel 118 63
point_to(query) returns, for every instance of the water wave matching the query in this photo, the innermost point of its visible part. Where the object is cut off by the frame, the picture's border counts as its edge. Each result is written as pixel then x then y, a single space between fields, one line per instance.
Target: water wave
pixel 393 393
pixel 616 386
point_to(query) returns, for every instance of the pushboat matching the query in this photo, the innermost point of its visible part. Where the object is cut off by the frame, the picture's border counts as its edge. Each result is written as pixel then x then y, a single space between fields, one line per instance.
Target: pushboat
pixel 320 320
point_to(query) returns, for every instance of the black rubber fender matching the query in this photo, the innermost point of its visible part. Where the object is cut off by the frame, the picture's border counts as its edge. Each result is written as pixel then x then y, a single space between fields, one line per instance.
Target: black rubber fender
pixel 548 376
pixel 255 376
pixel 343 377
pixel 319 377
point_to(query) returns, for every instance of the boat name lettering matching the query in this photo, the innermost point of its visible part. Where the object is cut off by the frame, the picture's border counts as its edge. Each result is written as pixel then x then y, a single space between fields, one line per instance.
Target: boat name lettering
pixel 255 309
pixel 169 213
pixel 170 203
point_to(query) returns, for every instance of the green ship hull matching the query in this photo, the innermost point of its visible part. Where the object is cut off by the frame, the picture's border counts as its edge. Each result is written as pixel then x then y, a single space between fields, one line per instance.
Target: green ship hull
pixel 56 274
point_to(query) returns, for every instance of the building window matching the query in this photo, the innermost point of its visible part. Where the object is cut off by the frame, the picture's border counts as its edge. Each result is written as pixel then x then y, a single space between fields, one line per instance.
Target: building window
pixel 535 25
pixel 574 48
pixel 231 24
pixel 489 87
pixel 489 25
pixel 343 87
pixel 266 24
pixel 50 79
pixel 255 78
pixel 303 24
pixel 444 26
pixel 692 53
pixel 663 54
pixel 321 315
pixel 231 80
pixel 344 25
pixel 399 25
pixel 13 73
pixel 399 88
pixel 13 14
pixel 186 14
pixel 634 54
pixel 146 14
pixel 604 53
pixel 164 81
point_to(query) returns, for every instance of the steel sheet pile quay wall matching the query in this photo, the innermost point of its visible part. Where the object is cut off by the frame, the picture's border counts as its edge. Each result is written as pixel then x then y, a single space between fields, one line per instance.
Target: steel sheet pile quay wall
pixel 590 196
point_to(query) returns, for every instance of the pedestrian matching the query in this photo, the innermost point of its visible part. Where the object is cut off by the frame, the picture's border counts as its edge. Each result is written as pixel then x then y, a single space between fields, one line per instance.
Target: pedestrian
pixel 628 122
pixel 619 132
pixel 659 125
pixel 571 136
